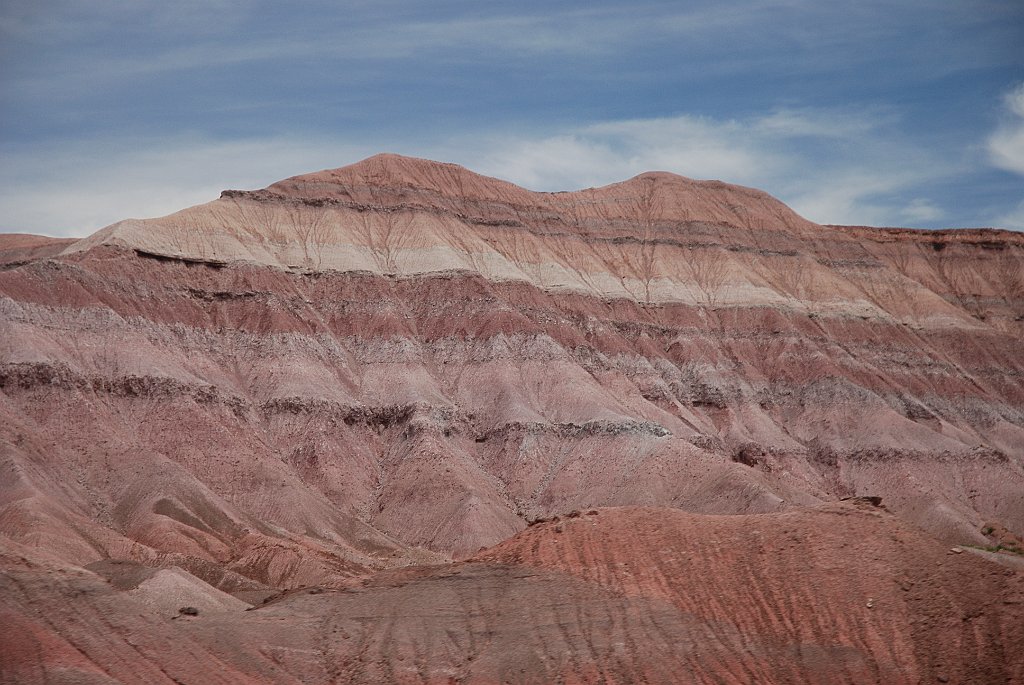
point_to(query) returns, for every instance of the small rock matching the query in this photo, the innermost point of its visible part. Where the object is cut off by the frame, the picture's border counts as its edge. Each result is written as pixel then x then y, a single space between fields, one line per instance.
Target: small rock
pixel 871 603
pixel 956 550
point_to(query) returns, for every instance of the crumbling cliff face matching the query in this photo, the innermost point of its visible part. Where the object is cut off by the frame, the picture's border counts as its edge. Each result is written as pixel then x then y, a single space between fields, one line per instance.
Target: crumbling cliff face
pixel 402 361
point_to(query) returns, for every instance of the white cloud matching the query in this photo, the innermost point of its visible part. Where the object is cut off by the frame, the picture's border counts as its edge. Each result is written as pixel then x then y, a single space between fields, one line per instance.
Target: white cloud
pixel 1006 145
pixel 1015 100
pixel 830 166
pixel 613 151
pixel 919 209
pixel 860 196
pixel 843 201
pixel 1014 219
pixel 837 124
pixel 74 190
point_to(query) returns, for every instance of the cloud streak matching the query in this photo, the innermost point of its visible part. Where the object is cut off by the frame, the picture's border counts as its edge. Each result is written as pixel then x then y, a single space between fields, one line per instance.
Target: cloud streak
pixel 118 107
pixel 1006 145
pixel 832 166
pixel 1014 219
pixel 63 191
pixel 813 37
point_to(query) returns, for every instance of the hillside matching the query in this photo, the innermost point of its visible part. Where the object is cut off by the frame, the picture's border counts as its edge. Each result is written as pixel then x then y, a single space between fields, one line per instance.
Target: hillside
pixel 400 363
pixel 837 594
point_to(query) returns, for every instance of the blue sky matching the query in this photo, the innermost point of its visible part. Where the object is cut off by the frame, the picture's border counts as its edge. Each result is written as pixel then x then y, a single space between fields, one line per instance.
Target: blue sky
pixel 888 113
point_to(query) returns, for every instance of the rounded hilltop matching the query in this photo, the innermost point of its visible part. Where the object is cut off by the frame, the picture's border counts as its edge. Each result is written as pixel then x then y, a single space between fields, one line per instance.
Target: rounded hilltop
pixel 389 178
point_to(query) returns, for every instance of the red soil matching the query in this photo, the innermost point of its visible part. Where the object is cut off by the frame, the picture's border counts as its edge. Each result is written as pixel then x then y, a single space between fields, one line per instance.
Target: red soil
pixel 842 594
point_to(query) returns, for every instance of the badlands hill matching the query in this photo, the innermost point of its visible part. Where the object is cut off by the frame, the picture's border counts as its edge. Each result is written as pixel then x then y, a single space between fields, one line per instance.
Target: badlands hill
pixel 398 363
pixel 836 594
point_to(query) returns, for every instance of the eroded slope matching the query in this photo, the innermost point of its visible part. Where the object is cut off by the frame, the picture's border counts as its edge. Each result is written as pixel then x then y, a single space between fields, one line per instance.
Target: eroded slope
pixel 840 594
pixel 306 382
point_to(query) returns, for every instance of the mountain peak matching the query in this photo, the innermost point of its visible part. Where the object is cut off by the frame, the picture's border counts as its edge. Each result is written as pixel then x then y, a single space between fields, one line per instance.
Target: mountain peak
pixel 391 179
pixel 389 172
pixel 403 215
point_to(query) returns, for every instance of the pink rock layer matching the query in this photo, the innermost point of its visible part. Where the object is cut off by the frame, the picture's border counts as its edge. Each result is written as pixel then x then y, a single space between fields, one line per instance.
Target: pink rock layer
pixel 402 362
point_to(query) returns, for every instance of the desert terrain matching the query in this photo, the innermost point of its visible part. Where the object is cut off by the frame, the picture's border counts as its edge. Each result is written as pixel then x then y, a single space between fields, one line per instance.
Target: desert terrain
pixel 400 422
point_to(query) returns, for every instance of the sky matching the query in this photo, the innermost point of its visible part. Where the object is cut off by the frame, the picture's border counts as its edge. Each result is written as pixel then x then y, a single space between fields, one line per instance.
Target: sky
pixel 907 113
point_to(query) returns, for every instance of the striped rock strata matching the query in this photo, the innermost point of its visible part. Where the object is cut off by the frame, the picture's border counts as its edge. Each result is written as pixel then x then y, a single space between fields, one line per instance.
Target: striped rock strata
pixel 841 593
pixel 401 359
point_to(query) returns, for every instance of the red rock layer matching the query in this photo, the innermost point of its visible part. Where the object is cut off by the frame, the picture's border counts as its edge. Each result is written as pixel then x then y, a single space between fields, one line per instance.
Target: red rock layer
pixel 445 410
pixel 842 594
pixel 19 248
pixel 402 361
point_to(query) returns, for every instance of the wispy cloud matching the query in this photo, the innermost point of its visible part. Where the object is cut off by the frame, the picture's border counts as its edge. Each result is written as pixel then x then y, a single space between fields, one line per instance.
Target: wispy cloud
pixel 778 36
pixel 72 190
pixel 1006 145
pixel 832 166
pixel 113 108
pixel 607 152
pixel 1013 219
pixel 921 210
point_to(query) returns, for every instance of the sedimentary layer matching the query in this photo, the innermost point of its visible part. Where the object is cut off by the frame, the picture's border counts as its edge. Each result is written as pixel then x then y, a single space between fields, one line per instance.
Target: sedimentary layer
pixel 366 373
pixel 840 594
pixel 403 353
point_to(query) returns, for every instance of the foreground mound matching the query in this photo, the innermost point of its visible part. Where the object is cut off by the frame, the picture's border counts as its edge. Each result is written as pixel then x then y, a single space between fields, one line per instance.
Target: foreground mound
pixel 841 593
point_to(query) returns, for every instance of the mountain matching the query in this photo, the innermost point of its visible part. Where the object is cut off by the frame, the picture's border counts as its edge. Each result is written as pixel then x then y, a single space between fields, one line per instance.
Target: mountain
pixel 400 363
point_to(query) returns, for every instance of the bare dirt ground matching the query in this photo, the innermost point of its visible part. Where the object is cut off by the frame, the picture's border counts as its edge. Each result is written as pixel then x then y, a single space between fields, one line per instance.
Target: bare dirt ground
pixel 843 593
